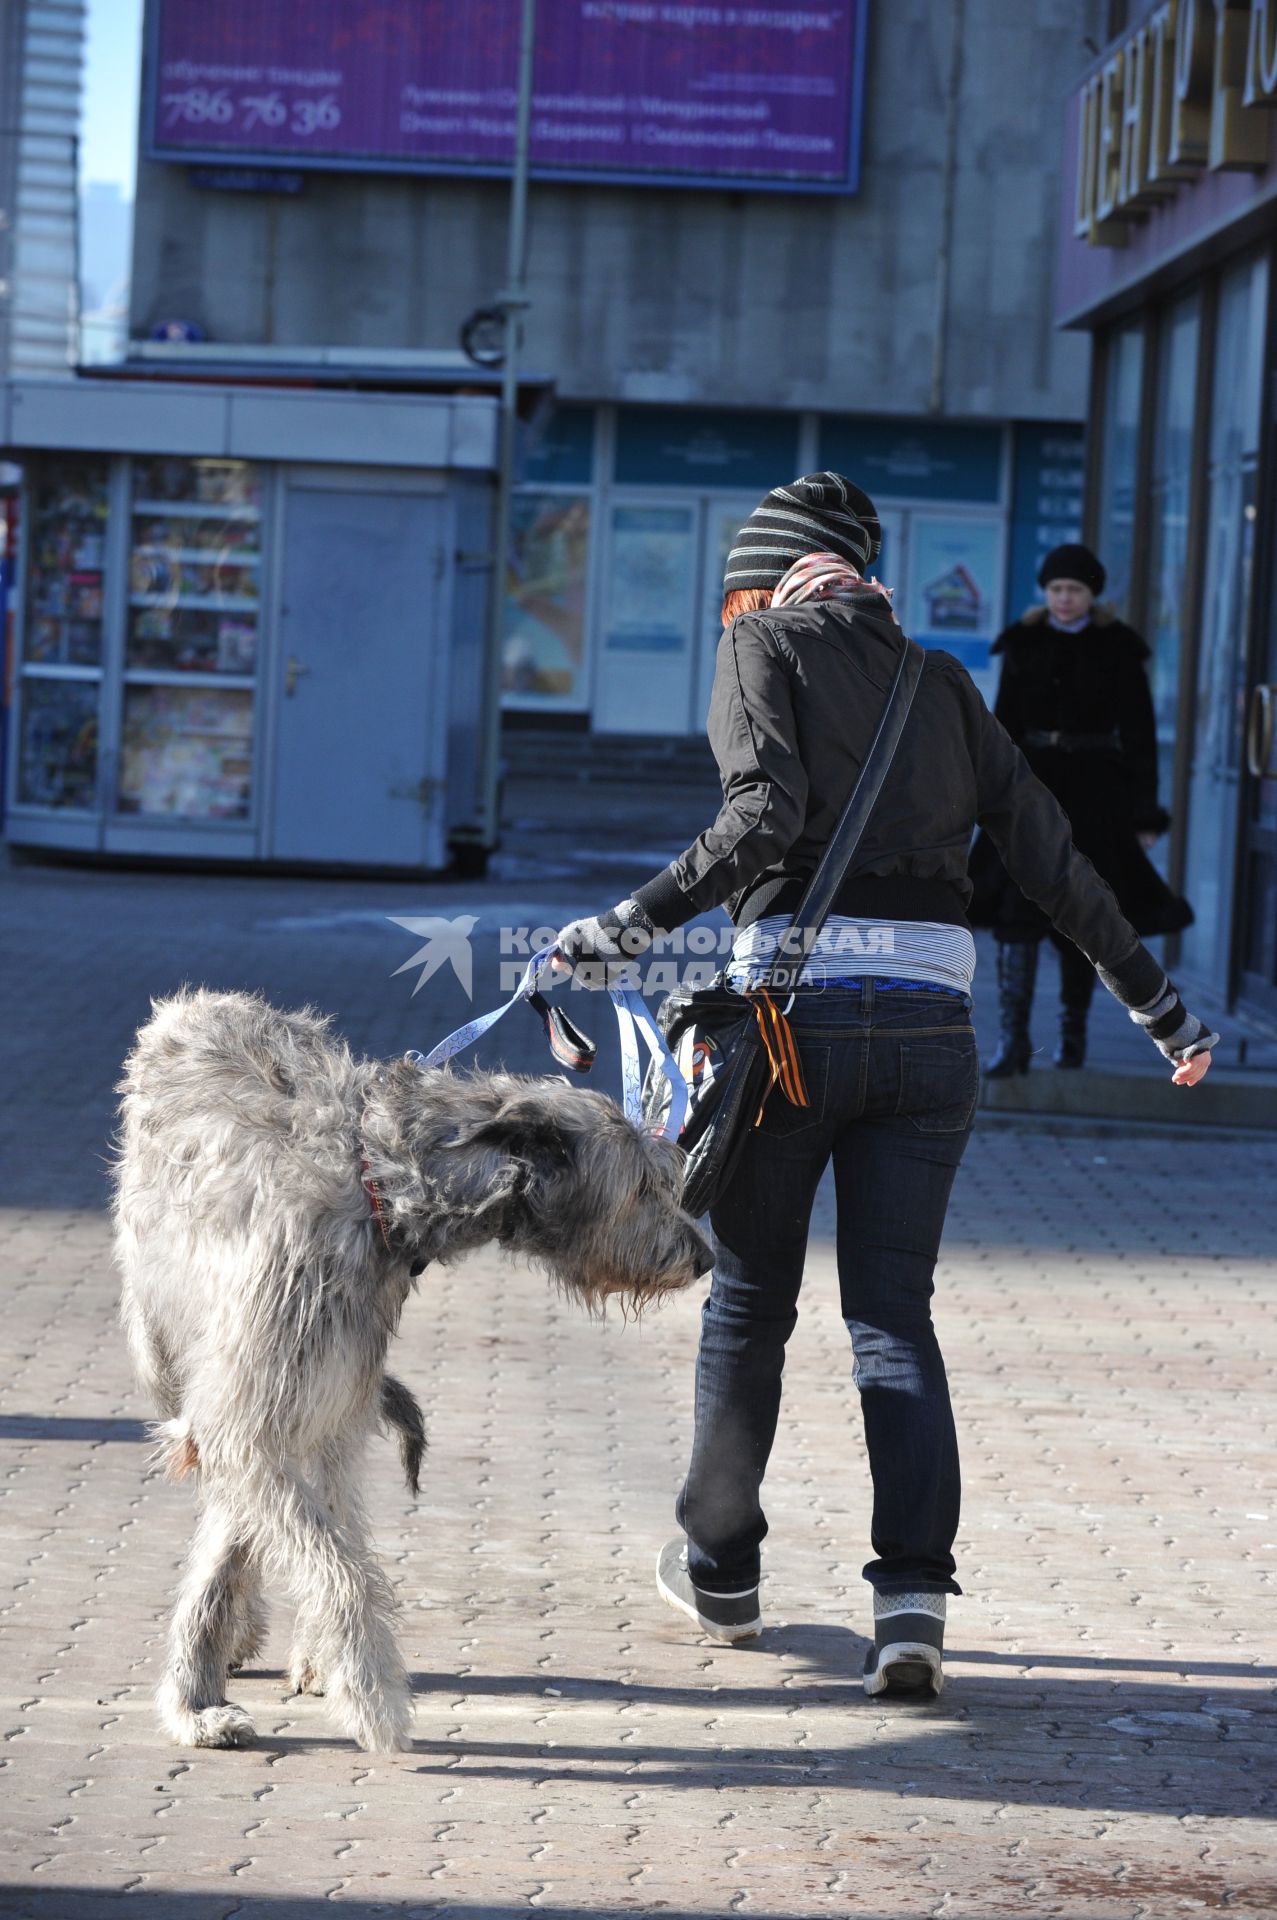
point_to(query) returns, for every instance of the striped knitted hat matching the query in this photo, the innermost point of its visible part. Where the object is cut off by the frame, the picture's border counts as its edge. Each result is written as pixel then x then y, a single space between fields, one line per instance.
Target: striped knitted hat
pixel 821 513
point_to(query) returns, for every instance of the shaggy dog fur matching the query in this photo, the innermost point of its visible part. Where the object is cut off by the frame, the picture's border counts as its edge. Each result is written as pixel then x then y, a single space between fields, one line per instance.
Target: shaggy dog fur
pixel 261 1289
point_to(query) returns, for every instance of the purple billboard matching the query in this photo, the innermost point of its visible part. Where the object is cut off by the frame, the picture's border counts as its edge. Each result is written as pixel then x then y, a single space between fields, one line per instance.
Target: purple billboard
pixel 635 90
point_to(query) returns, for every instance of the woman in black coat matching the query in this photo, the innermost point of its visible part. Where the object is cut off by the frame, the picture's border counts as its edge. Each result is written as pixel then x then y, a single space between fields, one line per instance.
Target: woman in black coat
pixel 1074 696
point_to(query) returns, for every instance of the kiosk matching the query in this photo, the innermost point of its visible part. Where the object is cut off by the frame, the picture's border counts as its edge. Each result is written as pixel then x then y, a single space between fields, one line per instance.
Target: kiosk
pixel 250 619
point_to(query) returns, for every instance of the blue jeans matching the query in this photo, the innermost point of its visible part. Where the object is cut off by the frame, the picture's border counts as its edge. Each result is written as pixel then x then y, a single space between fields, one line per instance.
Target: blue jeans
pixel 892 1077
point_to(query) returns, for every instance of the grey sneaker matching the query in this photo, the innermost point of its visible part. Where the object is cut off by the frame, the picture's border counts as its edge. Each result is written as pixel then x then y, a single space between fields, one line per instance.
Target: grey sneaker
pixel 723 1616
pixel 906 1659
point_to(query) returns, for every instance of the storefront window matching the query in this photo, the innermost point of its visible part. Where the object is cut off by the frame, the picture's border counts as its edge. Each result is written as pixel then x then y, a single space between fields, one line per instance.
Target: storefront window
pixel 187 751
pixel 544 652
pixel 1119 461
pixel 66 563
pixel 58 743
pixel 195 566
pixel 1230 545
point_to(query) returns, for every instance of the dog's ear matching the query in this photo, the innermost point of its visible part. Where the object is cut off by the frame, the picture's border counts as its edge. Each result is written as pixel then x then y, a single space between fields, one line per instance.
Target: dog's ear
pixel 528 1126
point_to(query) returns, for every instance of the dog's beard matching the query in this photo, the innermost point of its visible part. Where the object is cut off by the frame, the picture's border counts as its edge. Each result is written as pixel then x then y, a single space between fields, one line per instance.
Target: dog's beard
pixel 663 1262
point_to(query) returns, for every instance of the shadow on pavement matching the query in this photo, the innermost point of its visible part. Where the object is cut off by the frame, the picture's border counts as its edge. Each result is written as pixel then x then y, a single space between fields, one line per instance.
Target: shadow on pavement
pixel 54 1426
pixel 1128 1751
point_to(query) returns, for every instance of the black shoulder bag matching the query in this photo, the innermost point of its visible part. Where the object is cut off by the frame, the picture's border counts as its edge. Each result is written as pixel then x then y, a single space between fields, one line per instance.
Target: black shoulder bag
pixel 735 1048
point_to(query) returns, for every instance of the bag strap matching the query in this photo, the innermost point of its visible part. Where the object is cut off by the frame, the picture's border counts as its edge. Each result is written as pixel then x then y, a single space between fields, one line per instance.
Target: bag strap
pixel 819 893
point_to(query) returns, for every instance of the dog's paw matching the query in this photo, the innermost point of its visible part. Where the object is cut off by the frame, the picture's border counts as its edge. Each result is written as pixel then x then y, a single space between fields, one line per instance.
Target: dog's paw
pixel 222 1726
pixel 380 1722
pixel 305 1677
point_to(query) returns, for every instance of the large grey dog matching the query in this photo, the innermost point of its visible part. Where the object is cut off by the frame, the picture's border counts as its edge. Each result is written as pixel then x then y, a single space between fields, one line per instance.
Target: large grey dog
pixel 275 1199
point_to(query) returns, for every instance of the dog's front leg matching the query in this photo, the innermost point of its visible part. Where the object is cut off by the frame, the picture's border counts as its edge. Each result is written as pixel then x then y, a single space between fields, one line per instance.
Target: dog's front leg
pixel 347 1605
pixel 192 1695
pixel 333 1484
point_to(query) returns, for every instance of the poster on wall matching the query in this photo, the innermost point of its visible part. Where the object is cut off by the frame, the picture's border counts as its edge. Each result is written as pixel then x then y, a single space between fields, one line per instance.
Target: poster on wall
pixel 763 95
pixel 543 652
pixel 955 598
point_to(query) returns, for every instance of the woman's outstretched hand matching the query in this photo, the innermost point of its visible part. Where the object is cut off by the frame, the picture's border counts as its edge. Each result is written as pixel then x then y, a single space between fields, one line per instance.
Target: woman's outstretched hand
pixel 1189 1072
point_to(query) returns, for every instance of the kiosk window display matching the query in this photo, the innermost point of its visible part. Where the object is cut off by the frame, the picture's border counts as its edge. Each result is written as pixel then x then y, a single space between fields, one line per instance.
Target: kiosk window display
pixel 186 743
pixel 62 634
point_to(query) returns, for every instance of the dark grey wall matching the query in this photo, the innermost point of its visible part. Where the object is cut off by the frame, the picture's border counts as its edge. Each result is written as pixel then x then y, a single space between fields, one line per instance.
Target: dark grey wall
pixel 739 299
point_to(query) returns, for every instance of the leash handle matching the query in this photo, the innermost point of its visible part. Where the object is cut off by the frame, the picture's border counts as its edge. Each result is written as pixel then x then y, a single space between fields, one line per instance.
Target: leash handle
pixel 571 1046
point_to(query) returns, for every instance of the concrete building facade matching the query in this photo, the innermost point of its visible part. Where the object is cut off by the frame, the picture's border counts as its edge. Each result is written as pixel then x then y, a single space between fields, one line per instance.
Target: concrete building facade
pixel 696 297
pixel 707 342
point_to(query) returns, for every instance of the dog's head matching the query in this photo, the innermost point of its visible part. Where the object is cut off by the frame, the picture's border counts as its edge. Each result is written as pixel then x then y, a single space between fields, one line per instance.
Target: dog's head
pixel 549 1170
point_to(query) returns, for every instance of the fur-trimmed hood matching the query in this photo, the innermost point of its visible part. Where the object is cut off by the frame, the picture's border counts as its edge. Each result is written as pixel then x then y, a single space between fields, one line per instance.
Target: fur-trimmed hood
pixel 1102 615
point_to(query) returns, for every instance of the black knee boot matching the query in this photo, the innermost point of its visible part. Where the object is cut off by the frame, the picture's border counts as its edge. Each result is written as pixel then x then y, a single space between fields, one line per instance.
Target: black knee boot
pixel 1017 971
pixel 1077 984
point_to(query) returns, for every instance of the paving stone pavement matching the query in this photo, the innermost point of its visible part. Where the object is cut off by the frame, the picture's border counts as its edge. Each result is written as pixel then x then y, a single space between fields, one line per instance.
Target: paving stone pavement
pixel 1103 1750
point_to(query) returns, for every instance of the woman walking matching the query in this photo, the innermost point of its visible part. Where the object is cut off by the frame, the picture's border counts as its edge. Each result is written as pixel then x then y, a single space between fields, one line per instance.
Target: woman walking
pixel 1074 696
pixel 882 1023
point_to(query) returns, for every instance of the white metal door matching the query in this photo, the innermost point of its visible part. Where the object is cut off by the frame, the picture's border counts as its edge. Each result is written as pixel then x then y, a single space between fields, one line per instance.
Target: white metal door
pixel 359 665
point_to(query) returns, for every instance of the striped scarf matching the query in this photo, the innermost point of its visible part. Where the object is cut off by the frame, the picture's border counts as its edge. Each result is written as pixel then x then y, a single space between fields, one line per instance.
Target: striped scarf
pixel 824 576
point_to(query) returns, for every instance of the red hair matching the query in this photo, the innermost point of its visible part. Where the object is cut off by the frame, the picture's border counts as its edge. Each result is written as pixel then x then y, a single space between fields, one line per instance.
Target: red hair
pixel 745 600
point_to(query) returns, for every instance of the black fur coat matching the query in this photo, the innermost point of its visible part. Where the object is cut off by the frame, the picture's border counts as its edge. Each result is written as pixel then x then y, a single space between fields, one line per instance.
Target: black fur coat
pixel 1091 684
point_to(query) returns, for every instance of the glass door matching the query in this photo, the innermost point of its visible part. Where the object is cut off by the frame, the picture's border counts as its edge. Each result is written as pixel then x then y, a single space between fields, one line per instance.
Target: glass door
pixel 1215 774
pixel 1258 948
pixel 1257 920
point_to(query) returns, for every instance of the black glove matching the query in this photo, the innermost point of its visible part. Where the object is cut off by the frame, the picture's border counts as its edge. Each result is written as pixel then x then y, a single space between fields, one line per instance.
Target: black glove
pixel 603 949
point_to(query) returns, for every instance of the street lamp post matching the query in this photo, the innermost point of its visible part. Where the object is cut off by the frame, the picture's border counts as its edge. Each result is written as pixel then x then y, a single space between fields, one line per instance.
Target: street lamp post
pixel 512 302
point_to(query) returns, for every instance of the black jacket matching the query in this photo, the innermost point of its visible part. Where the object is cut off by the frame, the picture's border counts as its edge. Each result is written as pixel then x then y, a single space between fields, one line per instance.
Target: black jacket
pixel 1090 689
pixel 797 698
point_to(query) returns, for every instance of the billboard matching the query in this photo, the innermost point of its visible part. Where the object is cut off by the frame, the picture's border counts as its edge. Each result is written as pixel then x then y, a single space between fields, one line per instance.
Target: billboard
pixel 655 91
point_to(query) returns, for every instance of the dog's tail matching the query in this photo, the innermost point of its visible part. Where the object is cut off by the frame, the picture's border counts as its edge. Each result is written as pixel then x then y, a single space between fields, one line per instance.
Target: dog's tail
pixel 399 1410
pixel 176 1453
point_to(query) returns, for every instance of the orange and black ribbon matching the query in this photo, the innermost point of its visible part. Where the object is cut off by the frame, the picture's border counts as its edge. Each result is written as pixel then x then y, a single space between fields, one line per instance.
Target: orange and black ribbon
pixel 782 1053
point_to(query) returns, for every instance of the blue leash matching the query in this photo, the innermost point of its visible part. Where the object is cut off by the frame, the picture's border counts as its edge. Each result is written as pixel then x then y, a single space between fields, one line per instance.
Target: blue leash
pixel 632 1020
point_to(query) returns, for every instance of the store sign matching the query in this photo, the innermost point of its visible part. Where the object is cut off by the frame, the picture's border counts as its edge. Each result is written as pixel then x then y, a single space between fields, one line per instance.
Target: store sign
pixel 706 448
pixel 915 459
pixel 623 89
pixel 1183 92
